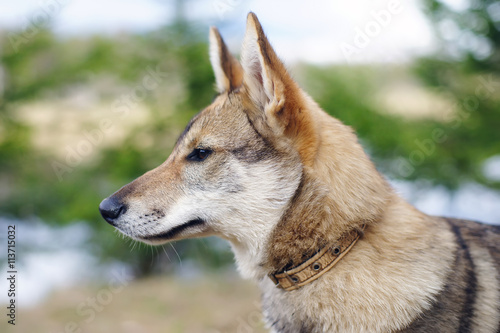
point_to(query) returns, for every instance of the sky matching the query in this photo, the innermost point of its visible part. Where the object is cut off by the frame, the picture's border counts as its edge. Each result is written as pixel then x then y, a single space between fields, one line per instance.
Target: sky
pixel 321 31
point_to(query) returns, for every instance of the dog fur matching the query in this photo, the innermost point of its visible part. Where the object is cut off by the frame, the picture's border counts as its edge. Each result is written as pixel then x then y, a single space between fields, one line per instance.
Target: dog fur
pixel 266 169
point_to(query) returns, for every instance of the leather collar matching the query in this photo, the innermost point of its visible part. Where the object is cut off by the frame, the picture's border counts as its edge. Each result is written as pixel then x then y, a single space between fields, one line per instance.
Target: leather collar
pixel 318 264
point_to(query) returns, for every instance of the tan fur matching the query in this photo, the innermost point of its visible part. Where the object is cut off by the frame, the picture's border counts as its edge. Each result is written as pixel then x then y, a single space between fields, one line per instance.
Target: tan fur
pixel 282 180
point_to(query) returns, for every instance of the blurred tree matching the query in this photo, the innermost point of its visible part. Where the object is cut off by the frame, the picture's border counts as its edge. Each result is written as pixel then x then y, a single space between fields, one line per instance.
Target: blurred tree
pixel 466 67
pixel 469 33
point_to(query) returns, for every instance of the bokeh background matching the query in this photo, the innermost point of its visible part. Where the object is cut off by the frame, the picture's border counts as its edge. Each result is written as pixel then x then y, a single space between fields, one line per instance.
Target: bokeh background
pixel 94 93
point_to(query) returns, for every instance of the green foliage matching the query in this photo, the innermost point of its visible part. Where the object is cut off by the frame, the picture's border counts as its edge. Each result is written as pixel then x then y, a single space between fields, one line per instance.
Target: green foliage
pixel 467 69
pixel 470 37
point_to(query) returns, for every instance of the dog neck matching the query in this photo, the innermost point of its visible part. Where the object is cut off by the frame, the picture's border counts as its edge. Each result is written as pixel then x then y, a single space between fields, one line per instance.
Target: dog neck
pixel 311 224
pixel 317 265
pixel 306 227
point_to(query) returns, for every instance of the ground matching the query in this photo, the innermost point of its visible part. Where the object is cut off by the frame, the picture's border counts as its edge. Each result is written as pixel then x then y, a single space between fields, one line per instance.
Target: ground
pixel 212 304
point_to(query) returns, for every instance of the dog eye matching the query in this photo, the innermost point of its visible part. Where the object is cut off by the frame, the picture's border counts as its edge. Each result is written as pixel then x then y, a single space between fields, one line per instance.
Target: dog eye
pixel 199 154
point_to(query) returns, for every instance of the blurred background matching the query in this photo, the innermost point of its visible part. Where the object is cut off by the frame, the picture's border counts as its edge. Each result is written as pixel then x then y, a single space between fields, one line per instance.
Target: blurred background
pixel 94 93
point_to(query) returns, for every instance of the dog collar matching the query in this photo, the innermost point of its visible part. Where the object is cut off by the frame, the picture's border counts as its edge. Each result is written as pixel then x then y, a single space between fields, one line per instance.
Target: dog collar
pixel 318 264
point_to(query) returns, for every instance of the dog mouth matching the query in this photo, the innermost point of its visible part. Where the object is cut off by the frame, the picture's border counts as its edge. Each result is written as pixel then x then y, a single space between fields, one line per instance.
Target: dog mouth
pixel 175 231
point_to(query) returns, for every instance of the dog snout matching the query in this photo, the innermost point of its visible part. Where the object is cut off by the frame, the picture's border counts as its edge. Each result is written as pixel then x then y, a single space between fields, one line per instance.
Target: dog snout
pixel 111 208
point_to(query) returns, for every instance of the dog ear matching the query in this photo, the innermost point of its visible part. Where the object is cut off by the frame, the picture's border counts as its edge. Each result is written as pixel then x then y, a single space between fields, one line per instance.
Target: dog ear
pixel 228 71
pixel 282 105
pixel 266 79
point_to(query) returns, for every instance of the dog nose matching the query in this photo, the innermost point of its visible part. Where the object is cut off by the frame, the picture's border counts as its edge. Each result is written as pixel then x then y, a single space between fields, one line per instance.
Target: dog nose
pixel 111 208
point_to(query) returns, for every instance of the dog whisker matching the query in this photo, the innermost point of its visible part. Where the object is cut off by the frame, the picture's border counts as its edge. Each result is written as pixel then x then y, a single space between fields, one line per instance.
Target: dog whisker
pixel 178 256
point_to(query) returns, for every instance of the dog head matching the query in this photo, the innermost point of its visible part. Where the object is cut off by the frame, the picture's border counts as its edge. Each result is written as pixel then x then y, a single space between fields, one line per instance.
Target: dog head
pixel 237 164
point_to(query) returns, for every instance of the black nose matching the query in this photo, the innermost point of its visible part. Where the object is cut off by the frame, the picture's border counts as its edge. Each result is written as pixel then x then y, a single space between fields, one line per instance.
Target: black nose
pixel 111 209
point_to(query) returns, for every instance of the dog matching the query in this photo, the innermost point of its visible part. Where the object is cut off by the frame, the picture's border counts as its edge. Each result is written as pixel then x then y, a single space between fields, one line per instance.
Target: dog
pixel 331 245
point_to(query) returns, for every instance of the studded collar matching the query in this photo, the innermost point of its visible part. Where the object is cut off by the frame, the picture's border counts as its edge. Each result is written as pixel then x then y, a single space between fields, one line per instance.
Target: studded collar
pixel 318 264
